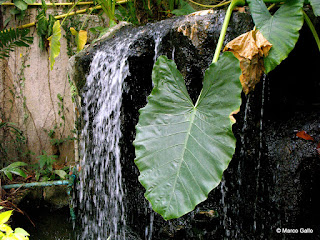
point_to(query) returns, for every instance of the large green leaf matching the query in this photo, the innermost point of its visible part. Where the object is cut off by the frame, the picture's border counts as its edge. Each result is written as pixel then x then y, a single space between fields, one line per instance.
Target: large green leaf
pixel 316 7
pixel 22 5
pixel 280 29
pixel 182 149
pixel 54 42
pixel 29 1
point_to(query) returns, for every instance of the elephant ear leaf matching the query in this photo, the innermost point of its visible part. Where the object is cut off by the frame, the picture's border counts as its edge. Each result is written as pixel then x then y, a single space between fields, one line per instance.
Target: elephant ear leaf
pixel 183 148
pixel 316 7
pixel 281 29
pixel 54 42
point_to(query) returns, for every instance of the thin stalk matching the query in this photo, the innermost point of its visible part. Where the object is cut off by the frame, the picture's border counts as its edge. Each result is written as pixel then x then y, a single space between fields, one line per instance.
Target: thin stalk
pixel 210 6
pixel 113 6
pixel 49 4
pixel 312 28
pixel 84 22
pixel 61 16
pixel 234 3
pixel 70 14
pixel 77 12
pixel 70 10
pixel 223 3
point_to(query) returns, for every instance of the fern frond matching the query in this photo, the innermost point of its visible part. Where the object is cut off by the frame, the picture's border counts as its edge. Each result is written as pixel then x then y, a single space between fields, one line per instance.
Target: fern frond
pixel 10 38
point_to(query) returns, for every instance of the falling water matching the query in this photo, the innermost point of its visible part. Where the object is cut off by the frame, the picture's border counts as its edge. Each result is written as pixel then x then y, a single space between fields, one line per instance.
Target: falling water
pixel 158 35
pixel 260 150
pixel 149 228
pixel 100 190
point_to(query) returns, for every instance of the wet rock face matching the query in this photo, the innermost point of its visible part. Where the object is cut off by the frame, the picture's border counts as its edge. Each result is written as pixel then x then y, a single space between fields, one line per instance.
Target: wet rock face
pixel 273 178
pixel 295 167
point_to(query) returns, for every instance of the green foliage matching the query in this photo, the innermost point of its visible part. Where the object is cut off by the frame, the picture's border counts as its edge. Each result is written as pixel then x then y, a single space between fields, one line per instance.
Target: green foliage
pixel 54 42
pixel 44 26
pixel 46 161
pixel 184 9
pixel 44 168
pixel 72 21
pixel 312 29
pixel 99 30
pixel 127 13
pixel 59 141
pixel 109 7
pixel 20 4
pixel 45 171
pixel 80 37
pixel 6 232
pixel 280 29
pixel 182 149
pixel 10 38
pixel 10 136
pixel 14 168
pixel 316 7
pixel 61 107
pixel 17 13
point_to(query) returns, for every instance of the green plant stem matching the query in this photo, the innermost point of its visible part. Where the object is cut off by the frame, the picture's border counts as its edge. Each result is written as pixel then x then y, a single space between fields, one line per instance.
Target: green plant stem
pixel 210 6
pixel 312 28
pixel 70 14
pixel 70 10
pixel 221 4
pixel 233 4
pixel 82 26
pixel 49 4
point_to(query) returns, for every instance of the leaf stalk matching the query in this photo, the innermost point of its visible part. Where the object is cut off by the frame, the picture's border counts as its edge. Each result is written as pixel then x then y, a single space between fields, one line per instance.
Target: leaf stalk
pixel 312 28
pixel 233 4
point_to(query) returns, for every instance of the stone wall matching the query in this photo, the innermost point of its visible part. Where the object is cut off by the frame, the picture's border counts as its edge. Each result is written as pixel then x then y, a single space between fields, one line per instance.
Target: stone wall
pixel 29 91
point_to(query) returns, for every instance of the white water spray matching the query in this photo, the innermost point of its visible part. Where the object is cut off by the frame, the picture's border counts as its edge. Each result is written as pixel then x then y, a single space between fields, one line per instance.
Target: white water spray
pixel 101 190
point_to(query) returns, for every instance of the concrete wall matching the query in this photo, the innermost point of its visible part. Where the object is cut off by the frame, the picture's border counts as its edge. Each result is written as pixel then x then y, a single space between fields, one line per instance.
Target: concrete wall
pixel 29 89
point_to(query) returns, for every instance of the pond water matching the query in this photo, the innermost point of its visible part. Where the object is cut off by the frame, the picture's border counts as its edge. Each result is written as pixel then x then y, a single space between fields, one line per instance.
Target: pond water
pixel 49 224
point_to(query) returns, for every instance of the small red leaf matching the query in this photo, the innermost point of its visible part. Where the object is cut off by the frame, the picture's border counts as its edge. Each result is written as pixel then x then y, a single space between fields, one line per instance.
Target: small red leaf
pixel 304 135
pixel 318 148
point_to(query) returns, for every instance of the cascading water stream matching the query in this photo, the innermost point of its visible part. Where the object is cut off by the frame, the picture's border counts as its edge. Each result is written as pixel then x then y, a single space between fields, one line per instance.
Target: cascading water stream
pixel 260 150
pixel 101 192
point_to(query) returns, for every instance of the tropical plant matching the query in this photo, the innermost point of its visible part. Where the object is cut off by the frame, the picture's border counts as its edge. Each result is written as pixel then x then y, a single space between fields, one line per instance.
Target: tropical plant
pixel 10 135
pixel 10 38
pixel 81 38
pixel 54 43
pixel 44 26
pixel 281 29
pixel 109 7
pixel 19 11
pixel 14 168
pixel 6 232
pixel 183 148
pixel 45 170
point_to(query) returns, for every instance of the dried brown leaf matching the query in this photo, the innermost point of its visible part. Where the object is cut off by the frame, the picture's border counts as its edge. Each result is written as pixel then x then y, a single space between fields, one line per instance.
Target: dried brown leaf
pixel 250 48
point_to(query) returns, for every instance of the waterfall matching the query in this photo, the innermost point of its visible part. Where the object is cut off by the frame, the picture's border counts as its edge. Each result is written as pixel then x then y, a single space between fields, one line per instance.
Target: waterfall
pixel 101 193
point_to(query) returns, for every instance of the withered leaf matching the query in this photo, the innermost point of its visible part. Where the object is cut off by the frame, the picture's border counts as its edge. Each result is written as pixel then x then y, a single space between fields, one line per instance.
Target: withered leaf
pixel 250 48
pixel 304 135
